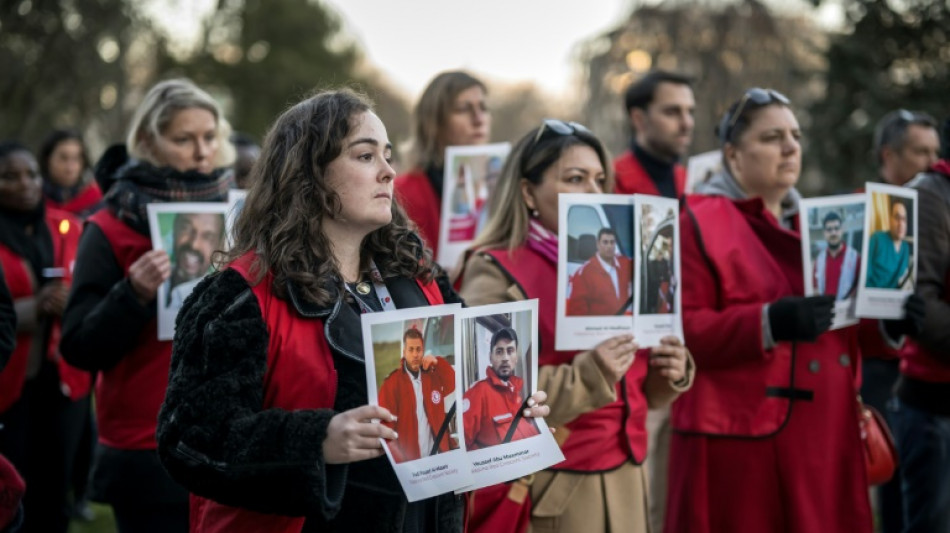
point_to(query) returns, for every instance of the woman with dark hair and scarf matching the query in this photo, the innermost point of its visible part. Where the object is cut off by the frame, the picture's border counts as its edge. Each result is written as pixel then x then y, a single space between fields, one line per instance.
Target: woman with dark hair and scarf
pixel 266 417
pixel 179 147
pixel 68 184
pixel 42 399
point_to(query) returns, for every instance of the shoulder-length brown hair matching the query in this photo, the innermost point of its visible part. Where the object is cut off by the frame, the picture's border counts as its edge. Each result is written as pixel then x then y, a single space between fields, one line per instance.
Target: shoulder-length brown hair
pixel 281 220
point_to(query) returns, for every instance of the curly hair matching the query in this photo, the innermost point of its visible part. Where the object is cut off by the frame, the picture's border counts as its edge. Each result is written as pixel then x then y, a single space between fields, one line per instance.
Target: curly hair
pixel 282 217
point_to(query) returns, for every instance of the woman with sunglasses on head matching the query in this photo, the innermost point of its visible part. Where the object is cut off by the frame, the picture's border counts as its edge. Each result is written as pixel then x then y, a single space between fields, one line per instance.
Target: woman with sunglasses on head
pixel 598 398
pixel 178 150
pixel 768 437
pixel 451 112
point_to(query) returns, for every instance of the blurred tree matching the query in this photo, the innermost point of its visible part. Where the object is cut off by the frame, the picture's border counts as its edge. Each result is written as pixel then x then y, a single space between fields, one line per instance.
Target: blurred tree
pixel 64 65
pixel 888 59
pixel 260 57
pixel 725 45
pixel 519 107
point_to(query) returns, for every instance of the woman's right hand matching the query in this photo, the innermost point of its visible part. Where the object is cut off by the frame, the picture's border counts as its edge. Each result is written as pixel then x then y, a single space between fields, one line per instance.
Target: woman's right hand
pixel 354 436
pixel 615 355
pixel 147 274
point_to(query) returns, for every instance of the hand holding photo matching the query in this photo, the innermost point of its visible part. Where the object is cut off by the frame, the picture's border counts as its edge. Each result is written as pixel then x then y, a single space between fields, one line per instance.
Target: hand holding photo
pixel 832 233
pixel 595 269
pixel 498 347
pixel 411 371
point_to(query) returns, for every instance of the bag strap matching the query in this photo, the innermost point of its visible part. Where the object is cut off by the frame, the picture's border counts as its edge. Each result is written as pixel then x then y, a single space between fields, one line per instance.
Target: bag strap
pixel 445 426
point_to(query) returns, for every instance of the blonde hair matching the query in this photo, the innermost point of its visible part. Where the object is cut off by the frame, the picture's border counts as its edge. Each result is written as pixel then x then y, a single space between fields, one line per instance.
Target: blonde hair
pixel 431 113
pixel 158 109
pixel 507 226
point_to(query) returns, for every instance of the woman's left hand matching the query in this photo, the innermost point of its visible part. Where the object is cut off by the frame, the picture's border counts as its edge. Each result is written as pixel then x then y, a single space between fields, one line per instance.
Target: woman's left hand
pixel 669 358
pixel 536 410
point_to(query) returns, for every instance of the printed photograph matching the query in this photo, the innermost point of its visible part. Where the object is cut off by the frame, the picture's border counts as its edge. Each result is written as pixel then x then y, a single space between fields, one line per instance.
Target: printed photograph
pixel 414 361
pixel 497 350
pixel 658 281
pixel 599 260
pixel 890 243
pixel 834 237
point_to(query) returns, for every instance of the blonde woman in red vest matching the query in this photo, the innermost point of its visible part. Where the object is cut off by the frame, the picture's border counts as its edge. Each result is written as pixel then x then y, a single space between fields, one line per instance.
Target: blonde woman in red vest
pixel 266 417
pixel 42 399
pixel 767 439
pixel 598 398
pixel 178 143
pixel 452 111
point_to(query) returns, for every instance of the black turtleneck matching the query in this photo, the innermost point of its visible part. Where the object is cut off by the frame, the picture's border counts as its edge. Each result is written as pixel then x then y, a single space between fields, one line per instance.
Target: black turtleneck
pixel 661 172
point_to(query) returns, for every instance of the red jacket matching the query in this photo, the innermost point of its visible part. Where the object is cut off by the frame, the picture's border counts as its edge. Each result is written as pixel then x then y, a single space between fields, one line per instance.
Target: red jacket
pixel 129 395
pixel 416 195
pixel 592 291
pixel 754 262
pixel 607 437
pixel 398 396
pixel 787 414
pixel 300 375
pixel 489 408
pixel 74 383
pixel 82 203
pixel 633 179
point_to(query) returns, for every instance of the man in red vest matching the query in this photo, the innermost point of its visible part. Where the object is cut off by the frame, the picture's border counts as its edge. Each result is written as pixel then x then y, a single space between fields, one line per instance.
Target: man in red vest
pixel 601 286
pixel 415 393
pixel 491 406
pixel 660 107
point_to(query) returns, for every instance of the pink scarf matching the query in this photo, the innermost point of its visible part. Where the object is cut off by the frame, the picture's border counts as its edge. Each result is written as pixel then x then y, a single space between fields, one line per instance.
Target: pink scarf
pixel 542 241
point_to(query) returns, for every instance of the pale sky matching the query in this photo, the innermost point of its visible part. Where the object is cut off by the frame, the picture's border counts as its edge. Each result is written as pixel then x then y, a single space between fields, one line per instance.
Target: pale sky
pixel 499 40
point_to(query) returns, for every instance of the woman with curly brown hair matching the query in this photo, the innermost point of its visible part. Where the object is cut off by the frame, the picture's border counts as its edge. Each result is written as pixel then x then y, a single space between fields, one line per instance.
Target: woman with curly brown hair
pixel 265 419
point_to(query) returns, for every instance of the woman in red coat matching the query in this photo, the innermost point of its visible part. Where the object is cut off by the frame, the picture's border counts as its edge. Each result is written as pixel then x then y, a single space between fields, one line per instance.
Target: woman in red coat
pixel 67 179
pixel 767 439
pixel 451 112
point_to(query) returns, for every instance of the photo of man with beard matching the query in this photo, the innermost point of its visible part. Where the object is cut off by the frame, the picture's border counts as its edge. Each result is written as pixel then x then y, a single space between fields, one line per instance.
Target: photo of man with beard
pixel 836 265
pixel 195 237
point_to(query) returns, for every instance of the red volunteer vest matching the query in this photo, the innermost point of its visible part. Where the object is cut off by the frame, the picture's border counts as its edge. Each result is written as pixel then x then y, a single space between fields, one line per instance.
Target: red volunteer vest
pixel 300 375
pixel 129 395
pixel 754 261
pixel 74 383
pixel 416 195
pixel 610 436
pixel 86 199
pixel 633 179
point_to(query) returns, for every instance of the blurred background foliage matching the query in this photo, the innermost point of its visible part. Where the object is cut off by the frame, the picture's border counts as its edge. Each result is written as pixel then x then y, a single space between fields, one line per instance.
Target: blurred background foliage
pixel 87 63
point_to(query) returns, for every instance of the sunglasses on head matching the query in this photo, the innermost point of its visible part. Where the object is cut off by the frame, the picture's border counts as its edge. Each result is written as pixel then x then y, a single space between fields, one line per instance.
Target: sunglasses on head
pixel 552 127
pixel 757 96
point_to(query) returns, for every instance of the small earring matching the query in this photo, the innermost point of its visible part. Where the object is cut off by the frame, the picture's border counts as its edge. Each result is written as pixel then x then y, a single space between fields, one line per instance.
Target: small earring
pixel 534 213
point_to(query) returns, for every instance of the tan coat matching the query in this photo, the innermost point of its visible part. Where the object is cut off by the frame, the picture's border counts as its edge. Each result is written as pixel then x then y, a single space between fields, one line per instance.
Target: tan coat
pixel 566 501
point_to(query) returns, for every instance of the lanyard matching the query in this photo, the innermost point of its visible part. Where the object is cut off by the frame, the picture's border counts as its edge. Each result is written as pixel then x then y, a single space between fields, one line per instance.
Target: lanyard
pixel 382 293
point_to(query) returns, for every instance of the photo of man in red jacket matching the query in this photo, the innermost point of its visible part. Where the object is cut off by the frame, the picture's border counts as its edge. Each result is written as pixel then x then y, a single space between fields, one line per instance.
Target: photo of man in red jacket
pixel 602 285
pixel 491 406
pixel 415 393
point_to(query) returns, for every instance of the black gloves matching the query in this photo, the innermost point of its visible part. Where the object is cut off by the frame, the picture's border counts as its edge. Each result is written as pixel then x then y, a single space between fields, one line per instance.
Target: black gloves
pixel 913 321
pixel 800 319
